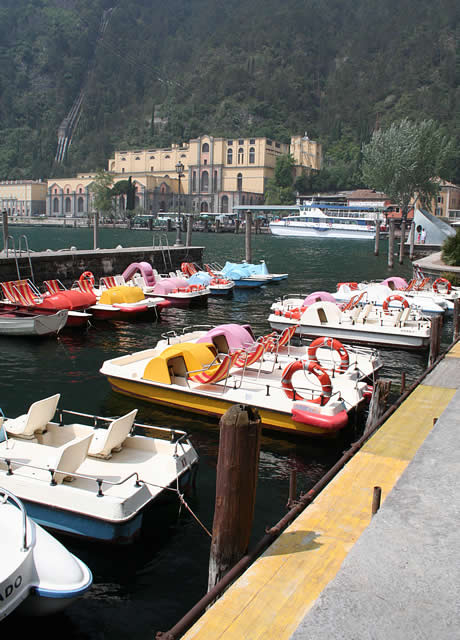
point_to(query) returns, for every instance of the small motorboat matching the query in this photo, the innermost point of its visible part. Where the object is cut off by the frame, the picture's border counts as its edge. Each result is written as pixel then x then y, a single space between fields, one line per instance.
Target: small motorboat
pixel 118 301
pixel 38 575
pixel 20 321
pixel 210 374
pixel 176 290
pixel 440 291
pixel 96 481
pixel 403 328
pixel 25 295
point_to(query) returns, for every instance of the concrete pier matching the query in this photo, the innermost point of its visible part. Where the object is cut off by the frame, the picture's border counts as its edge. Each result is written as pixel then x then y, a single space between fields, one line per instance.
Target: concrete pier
pixel 338 571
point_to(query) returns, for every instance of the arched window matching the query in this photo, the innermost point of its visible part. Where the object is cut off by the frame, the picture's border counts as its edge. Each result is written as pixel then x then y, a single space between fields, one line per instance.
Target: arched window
pixel 239 182
pixel 55 205
pixel 224 204
pixel 240 155
pixel 214 181
pixel 137 202
pixel 204 206
pixel 205 181
pixel 252 155
pixel 229 156
pixel 67 205
pixel 80 203
pixel 194 181
pixel 205 148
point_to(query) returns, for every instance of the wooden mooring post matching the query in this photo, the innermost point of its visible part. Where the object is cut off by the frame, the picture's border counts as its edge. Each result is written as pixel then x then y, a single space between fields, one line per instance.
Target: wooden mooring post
pixel 377 237
pixel 5 229
pixel 96 230
pixel 391 243
pixel 188 240
pixel 435 339
pixel 411 240
pixel 402 240
pixel 378 403
pixel 248 236
pixel 237 472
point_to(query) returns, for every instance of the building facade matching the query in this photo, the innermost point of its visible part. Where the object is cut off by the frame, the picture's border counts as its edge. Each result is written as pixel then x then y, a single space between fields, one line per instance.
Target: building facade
pixel 24 198
pixel 218 174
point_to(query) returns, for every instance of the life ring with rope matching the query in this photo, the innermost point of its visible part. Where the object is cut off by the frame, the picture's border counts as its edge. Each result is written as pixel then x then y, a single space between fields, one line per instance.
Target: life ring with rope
pixel 309 367
pixel 333 344
pixel 88 276
pixel 391 298
pixel 442 281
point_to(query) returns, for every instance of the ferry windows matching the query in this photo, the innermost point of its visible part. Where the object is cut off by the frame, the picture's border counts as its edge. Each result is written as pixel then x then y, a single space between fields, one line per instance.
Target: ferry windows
pixel 240 155
pixel 229 156
pixel 252 155
pixel 205 148
pixel 239 182
pixel 205 181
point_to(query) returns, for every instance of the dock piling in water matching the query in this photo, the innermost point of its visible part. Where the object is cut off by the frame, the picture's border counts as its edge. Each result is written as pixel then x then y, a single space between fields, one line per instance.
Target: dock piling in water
pixel 236 481
pixel 391 243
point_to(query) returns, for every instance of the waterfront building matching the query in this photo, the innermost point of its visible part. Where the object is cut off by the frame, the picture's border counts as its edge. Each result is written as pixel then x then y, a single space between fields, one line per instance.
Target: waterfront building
pixel 23 198
pixel 218 174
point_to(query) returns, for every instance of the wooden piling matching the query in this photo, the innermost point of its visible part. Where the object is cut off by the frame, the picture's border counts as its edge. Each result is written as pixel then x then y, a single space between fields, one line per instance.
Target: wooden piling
pixel 188 240
pixel 403 381
pixel 96 230
pixel 378 403
pixel 376 499
pixel 456 319
pixel 248 236
pixel 403 238
pixel 391 242
pixel 5 229
pixel 237 472
pixel 292 488
pixel 377 237
pixel 435 339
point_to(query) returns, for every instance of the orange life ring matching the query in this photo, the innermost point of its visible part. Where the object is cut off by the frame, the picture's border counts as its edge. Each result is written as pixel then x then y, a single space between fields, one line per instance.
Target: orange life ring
pixel 87 275
pixel 310 367
pixel 387 301
pixel 439 281
pixel 334 344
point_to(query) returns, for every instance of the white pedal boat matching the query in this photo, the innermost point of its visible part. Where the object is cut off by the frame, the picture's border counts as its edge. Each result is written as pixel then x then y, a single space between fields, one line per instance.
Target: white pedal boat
pixel 210 374
pixel 95 483
pixel 405 328
pixel 38 575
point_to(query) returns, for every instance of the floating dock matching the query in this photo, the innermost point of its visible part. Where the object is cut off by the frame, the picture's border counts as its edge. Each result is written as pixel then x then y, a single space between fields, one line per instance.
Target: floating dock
pixel 339 572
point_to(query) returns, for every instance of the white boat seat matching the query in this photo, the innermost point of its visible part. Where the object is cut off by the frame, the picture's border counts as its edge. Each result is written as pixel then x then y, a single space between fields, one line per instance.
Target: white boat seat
pixel 35 420
pixel 366 311
pixel 404 316
pixel 111 439
pixel 69 457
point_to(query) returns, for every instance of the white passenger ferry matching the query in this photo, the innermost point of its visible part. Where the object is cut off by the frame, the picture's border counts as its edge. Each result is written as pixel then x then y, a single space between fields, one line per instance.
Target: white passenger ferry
pixel 330 220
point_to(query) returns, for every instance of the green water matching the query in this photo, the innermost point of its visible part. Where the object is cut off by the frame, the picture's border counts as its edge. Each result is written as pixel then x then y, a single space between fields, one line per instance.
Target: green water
pixel 150 586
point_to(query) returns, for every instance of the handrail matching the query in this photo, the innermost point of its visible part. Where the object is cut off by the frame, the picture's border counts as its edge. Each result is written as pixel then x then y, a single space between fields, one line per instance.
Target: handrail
pixel 10 496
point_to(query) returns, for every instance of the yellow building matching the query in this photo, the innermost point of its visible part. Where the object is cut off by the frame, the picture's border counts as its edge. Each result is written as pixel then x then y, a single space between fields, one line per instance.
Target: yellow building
pixel 218 174
pixel 447 203
pixel 23 198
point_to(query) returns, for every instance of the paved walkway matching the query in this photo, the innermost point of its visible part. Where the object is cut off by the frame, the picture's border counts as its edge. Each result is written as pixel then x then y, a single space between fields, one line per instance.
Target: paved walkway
pixel 336 572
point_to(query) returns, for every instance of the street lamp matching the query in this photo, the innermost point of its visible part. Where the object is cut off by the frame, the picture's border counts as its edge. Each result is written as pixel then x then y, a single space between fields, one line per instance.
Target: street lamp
pixel 180 173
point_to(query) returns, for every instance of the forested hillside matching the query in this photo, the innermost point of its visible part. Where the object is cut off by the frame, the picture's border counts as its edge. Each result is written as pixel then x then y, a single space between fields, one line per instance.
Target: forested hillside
pixel 166 72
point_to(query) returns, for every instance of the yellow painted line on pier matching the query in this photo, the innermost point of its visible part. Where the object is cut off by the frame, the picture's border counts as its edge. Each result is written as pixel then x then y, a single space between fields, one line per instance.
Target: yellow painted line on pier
pixel 275 593
pixel 454 351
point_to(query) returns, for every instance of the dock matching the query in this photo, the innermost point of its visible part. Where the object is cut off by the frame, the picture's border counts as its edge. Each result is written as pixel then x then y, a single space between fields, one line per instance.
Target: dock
pixel 338 571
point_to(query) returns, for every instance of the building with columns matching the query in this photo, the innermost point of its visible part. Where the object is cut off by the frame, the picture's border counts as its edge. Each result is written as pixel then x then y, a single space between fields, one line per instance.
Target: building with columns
pixel 218 174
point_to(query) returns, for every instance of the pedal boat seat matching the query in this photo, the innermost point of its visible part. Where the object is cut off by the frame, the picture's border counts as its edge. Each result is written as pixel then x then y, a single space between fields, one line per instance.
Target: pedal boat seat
pixel 105 441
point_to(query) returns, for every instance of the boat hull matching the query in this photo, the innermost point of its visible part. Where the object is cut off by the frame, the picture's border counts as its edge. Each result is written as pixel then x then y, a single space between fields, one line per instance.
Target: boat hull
pixel 355 336
pixel 216 406
pixel 320 232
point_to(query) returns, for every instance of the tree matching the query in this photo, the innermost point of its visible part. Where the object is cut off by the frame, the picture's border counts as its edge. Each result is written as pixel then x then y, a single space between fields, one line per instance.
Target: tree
pixel 405 160
pixel 101 189
pixel 280 188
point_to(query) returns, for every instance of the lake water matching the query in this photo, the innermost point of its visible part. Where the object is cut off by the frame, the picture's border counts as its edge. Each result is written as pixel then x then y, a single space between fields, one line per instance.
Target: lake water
pixel 149 586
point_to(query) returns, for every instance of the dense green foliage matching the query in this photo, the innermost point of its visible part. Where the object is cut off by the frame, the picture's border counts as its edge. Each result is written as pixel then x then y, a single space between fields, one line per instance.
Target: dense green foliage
pixel 405 159
pixel 167 72
pixel 451 250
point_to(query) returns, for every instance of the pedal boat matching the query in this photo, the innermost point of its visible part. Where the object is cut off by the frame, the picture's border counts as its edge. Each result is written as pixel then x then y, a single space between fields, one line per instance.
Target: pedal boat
pixel 38 575
pixel 403 328
pixel 95 482
pixel 296 396
pixel 20 321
